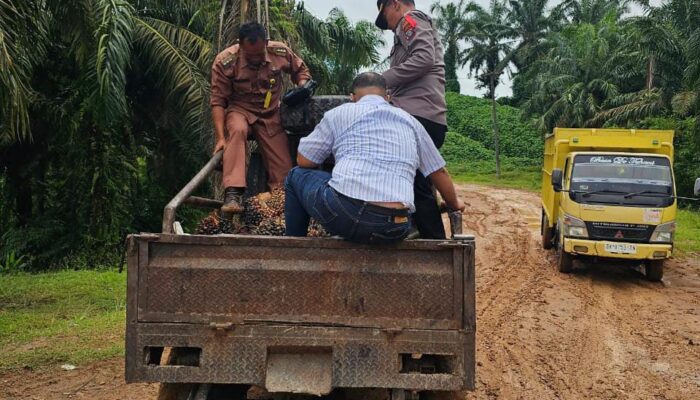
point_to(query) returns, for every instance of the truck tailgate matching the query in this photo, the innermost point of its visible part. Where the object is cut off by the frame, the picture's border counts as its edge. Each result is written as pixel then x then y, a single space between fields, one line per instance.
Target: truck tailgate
pixel 327 282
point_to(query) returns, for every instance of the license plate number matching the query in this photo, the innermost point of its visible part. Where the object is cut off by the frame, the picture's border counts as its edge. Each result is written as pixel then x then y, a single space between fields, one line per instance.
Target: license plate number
pixel 620 248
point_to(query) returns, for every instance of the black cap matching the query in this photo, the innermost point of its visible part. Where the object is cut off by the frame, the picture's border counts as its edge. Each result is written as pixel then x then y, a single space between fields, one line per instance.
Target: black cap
pixel 381 21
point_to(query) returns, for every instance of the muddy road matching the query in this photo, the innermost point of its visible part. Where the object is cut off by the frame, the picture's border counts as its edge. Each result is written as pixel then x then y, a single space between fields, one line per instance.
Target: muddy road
pixel 601 333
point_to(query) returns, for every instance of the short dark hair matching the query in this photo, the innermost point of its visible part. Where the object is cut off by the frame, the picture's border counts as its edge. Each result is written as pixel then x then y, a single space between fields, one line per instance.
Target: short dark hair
pixel 252 31
pixel 368 79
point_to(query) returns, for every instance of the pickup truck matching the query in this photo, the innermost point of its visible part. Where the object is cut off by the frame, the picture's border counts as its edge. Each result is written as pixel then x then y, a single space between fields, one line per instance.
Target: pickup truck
pixel 223 317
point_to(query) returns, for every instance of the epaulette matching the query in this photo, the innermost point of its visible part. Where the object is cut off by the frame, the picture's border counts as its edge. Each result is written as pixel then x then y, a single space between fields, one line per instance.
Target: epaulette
pixel 229 59
pixel 278 51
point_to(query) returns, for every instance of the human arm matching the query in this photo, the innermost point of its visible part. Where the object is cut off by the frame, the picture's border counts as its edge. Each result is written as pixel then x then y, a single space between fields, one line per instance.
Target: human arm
pixel 318 146
pixel 221 91
pixel 432 165
pixel 443 183
pixel 304 162
pixel 297 69
pixel 416 35
pixel 218 115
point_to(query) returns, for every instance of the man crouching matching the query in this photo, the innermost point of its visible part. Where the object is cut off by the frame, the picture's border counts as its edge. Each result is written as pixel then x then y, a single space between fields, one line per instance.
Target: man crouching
pixel 377 149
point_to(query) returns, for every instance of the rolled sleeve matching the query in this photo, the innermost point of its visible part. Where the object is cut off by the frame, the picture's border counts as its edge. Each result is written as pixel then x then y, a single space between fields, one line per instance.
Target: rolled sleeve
pixel 298 69
pixel 221 88
pixel 318 146
pixel 429 158
pixel 421 56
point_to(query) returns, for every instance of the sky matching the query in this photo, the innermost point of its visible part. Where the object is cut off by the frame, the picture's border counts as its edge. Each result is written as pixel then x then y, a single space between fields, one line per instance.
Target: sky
pixel 358 10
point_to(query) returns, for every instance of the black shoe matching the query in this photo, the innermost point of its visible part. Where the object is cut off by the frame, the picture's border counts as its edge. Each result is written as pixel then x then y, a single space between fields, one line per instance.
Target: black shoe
pixel 233 201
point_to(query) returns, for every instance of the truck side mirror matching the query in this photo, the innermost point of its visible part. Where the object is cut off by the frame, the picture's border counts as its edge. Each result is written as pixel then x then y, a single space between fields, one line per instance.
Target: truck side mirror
pixel 697 187
pixel 557 180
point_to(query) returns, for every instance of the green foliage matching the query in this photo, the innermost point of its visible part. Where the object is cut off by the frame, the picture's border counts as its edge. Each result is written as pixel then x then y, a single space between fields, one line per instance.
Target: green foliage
pixel 468 147
pixel 687 153
pixel 72 317
pixel 12 264
pixel 471 117
pixel 104 112
pixel 688 231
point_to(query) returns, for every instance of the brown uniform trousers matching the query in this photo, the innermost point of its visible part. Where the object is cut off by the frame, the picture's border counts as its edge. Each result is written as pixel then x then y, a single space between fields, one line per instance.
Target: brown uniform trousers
pixel 251 95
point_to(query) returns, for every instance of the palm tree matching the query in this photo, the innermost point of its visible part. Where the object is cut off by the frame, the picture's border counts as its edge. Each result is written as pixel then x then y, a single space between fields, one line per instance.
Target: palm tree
pixel 594 11
pixel 491 39
pixel 104 114
pixel 573 81
pixel 449 20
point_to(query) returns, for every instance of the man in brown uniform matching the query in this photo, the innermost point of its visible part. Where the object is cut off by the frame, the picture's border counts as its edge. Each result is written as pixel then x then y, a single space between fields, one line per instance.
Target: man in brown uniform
pixel 246 87
pixel 416 81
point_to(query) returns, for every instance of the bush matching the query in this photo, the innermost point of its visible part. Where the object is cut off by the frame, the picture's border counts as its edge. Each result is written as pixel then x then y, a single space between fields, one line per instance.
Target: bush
pixel 687 154
pixel 471 118
pixel 459 148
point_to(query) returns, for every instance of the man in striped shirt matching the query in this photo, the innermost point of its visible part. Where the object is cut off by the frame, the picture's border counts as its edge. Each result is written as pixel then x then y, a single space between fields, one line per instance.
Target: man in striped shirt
pixel 377 149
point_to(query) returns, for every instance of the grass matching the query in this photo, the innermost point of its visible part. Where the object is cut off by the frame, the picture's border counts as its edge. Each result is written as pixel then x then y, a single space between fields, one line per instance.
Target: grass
pixel 688 231
pixel 73 317
pixel 512 176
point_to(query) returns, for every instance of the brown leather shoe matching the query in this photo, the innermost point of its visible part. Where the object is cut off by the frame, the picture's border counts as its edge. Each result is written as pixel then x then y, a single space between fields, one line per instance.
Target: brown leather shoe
pixel 233 201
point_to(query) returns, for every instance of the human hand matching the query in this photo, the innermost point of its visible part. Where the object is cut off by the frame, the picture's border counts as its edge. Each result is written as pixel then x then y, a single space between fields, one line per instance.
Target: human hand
pixel 302 83
pixel 457 205
pixel 219 146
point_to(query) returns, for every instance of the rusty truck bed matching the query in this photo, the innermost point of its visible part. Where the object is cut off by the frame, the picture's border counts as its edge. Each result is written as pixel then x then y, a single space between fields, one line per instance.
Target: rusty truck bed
pixel 399 316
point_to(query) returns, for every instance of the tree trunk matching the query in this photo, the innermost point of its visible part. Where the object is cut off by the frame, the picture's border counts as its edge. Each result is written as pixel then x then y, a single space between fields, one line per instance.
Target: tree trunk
pixel 222 16
pixel 244 11
pixel 496 133
pixel 651 67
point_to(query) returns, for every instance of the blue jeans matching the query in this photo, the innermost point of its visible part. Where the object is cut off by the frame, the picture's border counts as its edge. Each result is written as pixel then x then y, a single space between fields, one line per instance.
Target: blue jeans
pixel 308 195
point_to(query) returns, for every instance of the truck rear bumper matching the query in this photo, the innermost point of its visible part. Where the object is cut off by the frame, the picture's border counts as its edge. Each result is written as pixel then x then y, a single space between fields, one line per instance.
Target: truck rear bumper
pixel 596 248
pixel 356 357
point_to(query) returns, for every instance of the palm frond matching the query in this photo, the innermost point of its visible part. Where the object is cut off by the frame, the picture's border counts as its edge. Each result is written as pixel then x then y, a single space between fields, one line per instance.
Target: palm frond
pixel 113 56
pixel 185 84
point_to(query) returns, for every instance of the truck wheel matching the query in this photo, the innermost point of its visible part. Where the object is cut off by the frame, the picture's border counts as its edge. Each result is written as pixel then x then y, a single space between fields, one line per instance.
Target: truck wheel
pixel 565 261
pixel 654 270
pixel 201 391
pixel 547 233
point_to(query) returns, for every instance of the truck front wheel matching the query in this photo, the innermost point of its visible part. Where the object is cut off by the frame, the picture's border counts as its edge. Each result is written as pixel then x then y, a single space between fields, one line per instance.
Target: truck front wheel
pixel 565 261
pixel 547 233
pixel 654 270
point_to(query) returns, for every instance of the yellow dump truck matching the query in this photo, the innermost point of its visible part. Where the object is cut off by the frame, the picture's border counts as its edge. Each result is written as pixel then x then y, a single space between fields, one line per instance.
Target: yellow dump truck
pixel 609 194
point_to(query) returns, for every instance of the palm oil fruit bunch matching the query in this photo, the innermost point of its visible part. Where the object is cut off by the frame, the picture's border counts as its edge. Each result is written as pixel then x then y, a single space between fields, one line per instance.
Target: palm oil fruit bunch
pixel 213 224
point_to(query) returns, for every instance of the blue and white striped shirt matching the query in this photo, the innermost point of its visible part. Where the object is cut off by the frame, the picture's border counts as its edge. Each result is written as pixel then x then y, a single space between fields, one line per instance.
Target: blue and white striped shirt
pixel 377 150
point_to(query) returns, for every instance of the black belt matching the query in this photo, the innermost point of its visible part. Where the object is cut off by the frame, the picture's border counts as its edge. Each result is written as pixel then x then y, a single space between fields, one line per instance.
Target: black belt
pixel 392 212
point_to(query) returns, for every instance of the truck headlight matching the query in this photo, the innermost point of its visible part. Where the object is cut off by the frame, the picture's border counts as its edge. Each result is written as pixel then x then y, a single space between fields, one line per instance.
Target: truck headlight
pixel 574 227
pixel 664 233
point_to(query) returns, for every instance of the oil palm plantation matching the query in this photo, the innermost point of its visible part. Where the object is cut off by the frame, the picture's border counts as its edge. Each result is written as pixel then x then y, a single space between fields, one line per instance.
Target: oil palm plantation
pixel 104 114
pixel 571 84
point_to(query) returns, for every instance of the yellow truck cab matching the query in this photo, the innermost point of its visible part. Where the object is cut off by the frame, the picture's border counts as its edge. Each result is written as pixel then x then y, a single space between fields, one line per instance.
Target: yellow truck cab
pixel 609 193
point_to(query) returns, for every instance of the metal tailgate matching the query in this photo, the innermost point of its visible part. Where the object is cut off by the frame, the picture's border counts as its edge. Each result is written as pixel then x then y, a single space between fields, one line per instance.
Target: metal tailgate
pixel 247 279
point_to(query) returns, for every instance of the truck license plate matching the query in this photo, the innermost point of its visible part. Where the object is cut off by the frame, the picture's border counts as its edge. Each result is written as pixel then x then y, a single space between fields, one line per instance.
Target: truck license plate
pixel 620 248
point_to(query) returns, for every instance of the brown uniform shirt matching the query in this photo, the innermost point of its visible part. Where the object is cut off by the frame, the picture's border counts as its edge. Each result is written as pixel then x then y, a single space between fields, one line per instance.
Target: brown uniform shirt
pixel 238 86
pixel 416 78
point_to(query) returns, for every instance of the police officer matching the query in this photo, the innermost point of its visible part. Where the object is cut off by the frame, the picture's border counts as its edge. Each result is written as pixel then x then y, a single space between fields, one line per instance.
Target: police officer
pixel 416 80
pixel 246 87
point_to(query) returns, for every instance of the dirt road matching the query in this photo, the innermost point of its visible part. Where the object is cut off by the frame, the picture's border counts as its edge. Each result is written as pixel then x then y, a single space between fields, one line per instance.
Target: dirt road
pixel 600 333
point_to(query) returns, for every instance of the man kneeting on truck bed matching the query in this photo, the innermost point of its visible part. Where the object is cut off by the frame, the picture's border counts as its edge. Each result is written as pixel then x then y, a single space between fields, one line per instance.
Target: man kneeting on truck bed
pixel 377 149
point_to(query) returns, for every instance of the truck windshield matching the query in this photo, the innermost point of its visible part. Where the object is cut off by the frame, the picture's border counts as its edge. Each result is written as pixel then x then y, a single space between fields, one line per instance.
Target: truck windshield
pixel 642 181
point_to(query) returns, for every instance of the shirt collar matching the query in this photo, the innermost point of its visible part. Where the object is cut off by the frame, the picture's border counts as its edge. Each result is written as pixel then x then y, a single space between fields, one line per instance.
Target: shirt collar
pixel 244 60
pixel 372 99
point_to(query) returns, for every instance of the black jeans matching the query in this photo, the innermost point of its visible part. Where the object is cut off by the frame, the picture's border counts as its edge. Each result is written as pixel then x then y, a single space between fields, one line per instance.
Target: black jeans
pixel 427 216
